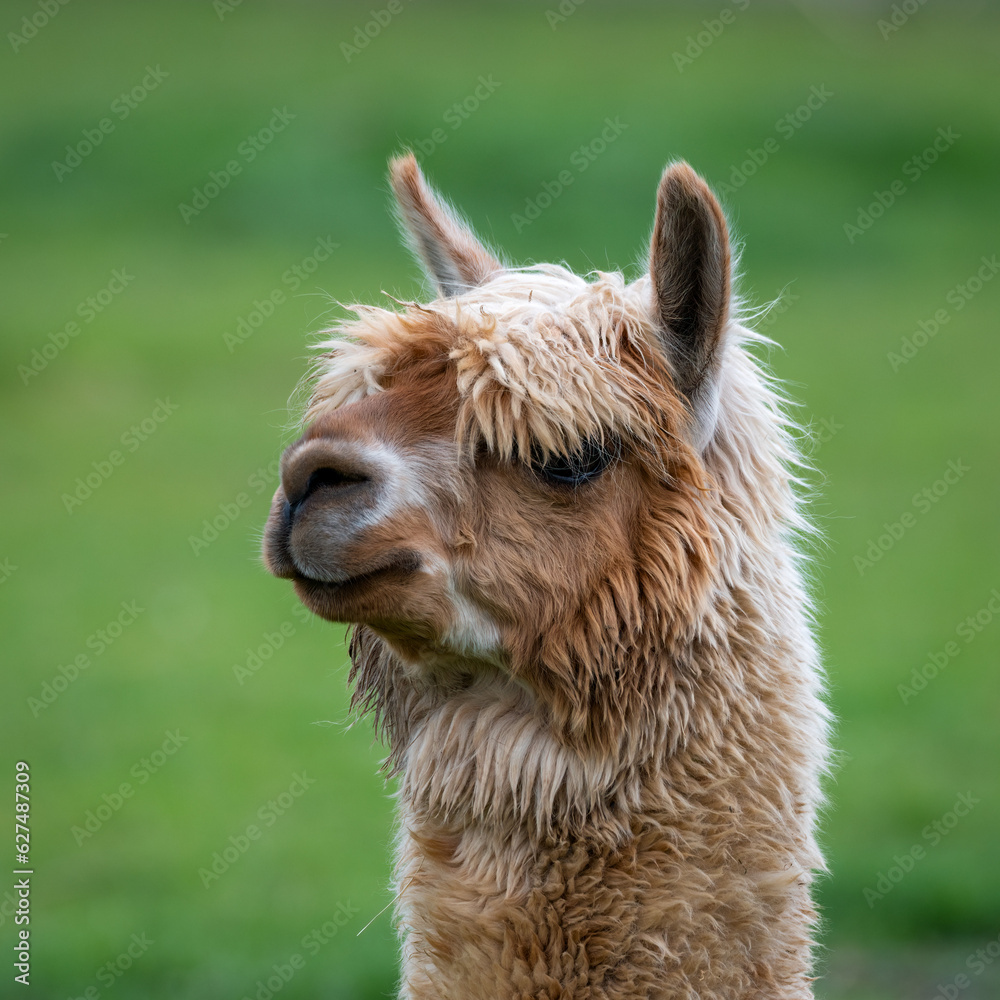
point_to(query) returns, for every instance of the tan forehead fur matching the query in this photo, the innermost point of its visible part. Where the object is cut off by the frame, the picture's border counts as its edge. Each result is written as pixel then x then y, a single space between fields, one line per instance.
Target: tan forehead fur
pixel 541 358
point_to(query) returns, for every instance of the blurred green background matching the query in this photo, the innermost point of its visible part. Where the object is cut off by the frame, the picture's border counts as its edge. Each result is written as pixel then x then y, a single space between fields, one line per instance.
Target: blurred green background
pixel 171 393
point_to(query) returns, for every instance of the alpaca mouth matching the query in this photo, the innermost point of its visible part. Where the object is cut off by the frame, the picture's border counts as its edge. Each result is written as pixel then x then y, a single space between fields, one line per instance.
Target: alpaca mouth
pixel 346 600
pixel 359 579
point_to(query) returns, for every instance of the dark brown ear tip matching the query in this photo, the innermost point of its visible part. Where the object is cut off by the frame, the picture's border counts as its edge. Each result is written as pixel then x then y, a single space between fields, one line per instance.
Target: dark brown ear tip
pixel 682 183
pixel 685 195
pixel 678 170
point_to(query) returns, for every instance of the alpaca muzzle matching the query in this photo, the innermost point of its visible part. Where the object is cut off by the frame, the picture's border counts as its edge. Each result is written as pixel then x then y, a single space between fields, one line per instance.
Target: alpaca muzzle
pixel 330 493
pixel 331 528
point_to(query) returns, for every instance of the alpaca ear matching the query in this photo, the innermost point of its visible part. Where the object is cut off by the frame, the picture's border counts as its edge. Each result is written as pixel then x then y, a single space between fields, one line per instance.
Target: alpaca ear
pixel 450 252
pixel 690 271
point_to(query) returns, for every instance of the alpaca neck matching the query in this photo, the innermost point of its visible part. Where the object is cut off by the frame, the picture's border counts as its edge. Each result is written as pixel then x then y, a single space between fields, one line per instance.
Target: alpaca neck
pixel 488 757
pixel 524 867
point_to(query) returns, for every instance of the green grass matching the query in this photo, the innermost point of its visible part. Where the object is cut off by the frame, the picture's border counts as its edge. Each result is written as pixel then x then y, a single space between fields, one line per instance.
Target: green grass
pixel 889 434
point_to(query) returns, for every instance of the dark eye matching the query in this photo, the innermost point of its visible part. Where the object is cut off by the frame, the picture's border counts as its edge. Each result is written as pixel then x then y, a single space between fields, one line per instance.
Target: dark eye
pixel 587 463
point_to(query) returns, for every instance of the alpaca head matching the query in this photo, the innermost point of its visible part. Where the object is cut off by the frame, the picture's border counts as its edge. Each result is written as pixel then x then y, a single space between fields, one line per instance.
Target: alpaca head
pixel 509 484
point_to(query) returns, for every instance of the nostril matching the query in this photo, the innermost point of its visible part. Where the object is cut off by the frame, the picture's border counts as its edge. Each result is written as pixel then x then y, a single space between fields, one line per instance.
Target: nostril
pixel 332 477
pixel 335 468
pixel 326 478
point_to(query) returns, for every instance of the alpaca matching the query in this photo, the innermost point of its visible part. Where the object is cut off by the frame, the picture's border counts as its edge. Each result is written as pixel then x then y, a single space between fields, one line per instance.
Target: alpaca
pixel 560 517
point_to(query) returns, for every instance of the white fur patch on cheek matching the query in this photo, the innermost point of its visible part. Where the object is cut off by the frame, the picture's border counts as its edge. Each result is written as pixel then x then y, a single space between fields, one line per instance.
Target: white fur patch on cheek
pixel 472 631
pixel 414 479
pixel 403 483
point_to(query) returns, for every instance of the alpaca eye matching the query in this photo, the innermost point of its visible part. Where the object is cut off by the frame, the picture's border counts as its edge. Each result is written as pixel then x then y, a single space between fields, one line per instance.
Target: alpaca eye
pixel 582 465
